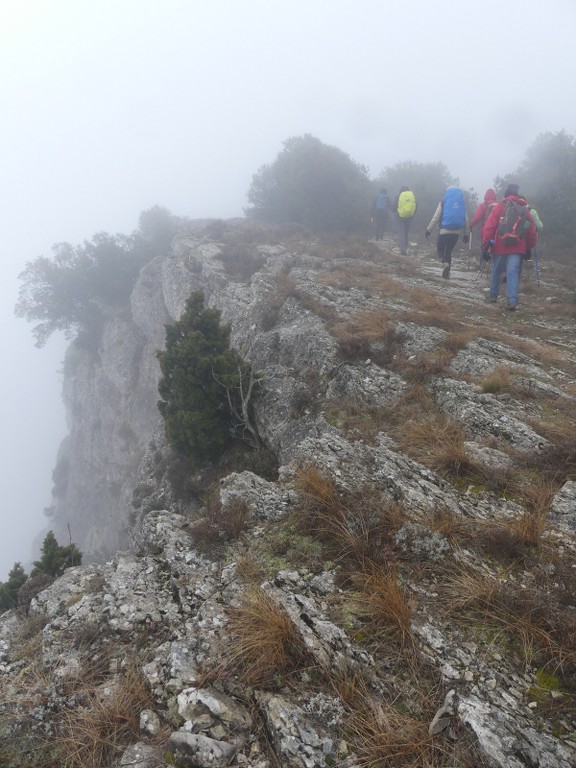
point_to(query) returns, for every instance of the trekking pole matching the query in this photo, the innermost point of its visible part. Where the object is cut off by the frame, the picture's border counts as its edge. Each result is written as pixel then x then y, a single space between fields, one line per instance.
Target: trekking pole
pixel 485 264
pixel 536 268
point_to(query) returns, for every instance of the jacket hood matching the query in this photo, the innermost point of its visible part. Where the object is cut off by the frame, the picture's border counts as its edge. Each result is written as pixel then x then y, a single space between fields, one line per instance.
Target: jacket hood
pixel 490 196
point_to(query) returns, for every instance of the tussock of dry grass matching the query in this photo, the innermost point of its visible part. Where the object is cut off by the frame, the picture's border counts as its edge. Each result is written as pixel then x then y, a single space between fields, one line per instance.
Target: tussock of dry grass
pixel 354 529
pixel 90 735
pixel 498 380
pixel 219 524
pixel 537 498
pixel 420 368
pixel 437 442
pixel 527 618
pixel 369 334
pixel 382 736
pixel 457 340
pixel 266 644
pixel 383 603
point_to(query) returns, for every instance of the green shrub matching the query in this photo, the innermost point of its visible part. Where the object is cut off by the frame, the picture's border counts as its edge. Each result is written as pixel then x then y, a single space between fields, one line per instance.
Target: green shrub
pixel 205 386
pixel 9 590
pixel 312 184
pixel 55 559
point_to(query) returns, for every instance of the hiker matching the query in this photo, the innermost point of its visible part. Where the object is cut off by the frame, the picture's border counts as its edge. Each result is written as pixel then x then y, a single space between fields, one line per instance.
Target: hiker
pixel 404 208
pixel 380 210
pixel 453 219
pixel 534 254
pixel 509 235
pixel 483 211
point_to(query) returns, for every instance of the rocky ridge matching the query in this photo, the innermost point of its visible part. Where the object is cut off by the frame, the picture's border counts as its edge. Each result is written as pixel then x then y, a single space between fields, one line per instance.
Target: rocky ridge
pixel 356 346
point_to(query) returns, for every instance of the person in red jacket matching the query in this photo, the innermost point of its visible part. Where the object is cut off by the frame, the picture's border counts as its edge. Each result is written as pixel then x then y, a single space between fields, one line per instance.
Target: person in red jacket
pixel 483 211
pixel 508 248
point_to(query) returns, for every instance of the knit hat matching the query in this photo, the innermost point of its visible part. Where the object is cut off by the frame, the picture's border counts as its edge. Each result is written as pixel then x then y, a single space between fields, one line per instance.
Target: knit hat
pixel 512 189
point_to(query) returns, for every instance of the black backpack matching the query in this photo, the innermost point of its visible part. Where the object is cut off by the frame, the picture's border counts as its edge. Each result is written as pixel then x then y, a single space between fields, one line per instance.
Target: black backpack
pixel 514 223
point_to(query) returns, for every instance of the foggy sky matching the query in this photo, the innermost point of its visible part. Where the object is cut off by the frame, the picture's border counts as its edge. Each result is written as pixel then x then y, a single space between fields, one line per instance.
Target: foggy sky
pixel 109 107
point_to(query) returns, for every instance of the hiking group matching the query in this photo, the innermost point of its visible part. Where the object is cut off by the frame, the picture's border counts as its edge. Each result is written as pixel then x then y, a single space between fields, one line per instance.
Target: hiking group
pixel 508 232
pixel 400 213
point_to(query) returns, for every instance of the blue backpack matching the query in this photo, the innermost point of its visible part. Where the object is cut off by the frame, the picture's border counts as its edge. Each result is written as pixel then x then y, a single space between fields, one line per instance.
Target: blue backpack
pixel 453 209
pixel 382 202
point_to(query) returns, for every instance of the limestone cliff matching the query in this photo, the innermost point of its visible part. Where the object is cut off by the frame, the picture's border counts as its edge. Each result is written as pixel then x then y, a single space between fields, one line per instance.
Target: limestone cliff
pixel 415 553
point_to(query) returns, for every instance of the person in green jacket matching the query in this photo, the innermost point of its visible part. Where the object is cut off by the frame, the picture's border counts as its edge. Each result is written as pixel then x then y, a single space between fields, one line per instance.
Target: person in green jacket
pixel 533 257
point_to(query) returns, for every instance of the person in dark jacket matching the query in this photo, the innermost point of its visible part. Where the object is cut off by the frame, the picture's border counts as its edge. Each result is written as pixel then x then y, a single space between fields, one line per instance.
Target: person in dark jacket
pixel 380 211
pixel 507 256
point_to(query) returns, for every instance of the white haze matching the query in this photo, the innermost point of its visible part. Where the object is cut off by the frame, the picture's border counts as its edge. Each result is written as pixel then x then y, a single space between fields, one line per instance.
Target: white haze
pixel 112 106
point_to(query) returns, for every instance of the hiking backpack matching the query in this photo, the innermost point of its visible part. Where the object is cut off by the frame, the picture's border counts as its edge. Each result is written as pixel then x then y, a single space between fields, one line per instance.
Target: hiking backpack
pixel 453 210
pixel 382 202
pixel 406 204
pixel 514 223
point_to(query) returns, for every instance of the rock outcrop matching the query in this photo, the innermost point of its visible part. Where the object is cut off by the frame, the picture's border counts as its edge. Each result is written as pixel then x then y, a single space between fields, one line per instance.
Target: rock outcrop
pixel 401 593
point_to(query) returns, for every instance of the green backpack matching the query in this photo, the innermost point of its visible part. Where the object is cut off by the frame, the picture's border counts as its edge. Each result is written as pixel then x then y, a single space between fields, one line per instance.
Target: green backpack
pixel 406 204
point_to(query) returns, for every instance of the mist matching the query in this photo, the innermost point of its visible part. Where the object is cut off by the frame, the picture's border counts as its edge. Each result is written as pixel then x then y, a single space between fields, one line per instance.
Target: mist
pixel 110 108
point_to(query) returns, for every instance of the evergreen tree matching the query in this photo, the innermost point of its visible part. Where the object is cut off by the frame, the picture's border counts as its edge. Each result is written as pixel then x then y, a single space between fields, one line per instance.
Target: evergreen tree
pixel 9 589
pixel 200 382
pixel 55 559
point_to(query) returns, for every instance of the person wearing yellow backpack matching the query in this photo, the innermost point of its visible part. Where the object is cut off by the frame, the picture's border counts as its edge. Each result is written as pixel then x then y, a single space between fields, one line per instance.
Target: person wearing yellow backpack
pixel 404 208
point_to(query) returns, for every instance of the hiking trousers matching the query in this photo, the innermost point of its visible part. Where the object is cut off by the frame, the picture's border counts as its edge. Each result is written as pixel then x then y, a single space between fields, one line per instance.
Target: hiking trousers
pixel 445 245
pixel 380 217
pixel 511 263
pixel 403 230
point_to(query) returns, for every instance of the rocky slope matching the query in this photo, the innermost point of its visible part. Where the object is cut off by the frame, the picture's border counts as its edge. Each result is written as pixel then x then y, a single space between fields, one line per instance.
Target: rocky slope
pixel 400 592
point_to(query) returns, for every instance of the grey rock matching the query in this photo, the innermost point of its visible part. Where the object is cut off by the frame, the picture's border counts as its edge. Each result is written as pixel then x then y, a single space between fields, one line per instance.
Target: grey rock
pixel 141 756
pixel 563 507
pixel 198 751
pixel 421 543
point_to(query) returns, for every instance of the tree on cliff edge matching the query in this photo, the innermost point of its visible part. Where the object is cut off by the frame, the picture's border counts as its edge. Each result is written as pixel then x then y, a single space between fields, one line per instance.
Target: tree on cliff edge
pixel 204 386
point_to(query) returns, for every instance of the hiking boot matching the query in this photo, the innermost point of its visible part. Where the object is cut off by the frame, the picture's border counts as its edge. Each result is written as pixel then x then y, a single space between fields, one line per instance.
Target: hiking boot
pixel 491 299
pixel 446 272
pixel 511 307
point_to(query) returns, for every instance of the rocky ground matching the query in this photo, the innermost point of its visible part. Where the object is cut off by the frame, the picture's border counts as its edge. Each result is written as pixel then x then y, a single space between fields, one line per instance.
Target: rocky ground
pixel 399 593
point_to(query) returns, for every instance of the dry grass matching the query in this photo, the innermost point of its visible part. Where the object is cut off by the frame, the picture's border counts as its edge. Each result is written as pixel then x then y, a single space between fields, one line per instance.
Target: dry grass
pixel 356 530
pixel 219 524
pixel 431 310
pixel 498 380
pixel 90 735
pixel 361 421
pixel 420 368
pixel 537 497
pixel 382 736
pixel 27 643
pixel 266 644
pixel 364 421
pixel 364 278
pixel 369 334
pixel 383 604
pixel 437 442
pixel 103 721
pixel 457 340
pixel 526 620
pixel 249 570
